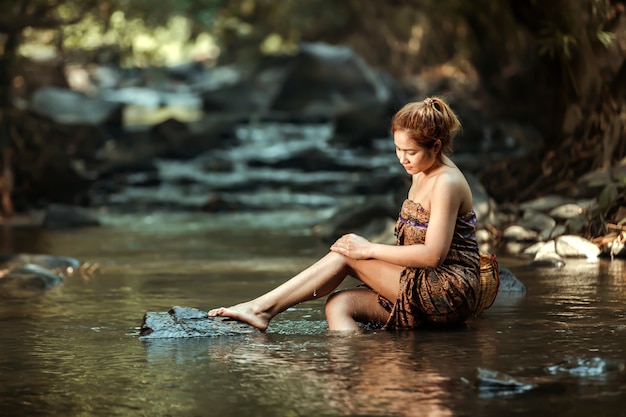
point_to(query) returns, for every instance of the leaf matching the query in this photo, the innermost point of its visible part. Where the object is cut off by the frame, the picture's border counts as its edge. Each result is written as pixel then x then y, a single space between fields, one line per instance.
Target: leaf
pixel 607 196
pixel 577 223
pixel 605 38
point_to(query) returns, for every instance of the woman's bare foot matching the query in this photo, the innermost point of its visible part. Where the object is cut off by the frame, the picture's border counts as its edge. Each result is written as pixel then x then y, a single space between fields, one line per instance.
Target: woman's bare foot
pixel 244 312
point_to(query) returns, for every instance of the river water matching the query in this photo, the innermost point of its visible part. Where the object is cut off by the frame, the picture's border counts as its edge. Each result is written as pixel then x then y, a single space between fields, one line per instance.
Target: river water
pixel 76 351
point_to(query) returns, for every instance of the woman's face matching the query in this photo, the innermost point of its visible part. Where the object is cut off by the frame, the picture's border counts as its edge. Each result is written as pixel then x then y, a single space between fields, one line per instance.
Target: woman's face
pixel 414 158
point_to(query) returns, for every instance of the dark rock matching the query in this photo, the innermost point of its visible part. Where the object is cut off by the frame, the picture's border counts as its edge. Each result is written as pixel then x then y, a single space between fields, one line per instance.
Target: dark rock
pixel 28 281
pixel 511 290
pixel 229 98
pixel 354 218
pixel 60 216
pixel 186 322
pixel 509 282
pixel 56 263
pixel 325 79
pixel 357 126
pixel 309 160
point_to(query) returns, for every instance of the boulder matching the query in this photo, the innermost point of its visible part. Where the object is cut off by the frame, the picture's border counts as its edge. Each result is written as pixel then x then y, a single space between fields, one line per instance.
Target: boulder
pixel 60 216
pixel 327 79
pixel 64 106
pixel 571 246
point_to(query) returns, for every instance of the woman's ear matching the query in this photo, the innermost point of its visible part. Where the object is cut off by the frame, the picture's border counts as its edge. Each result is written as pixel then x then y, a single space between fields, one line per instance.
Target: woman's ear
pixel 437 146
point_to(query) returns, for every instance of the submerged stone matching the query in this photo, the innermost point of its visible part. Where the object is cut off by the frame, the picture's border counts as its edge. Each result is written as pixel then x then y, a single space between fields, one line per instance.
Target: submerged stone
pixel 52 262
pixel 27 281
pixel 584 367
pixel 187 322
pixel 492 382
pixel 30 275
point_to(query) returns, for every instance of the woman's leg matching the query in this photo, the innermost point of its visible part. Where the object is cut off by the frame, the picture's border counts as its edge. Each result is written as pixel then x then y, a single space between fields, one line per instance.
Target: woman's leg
pixel 316 281
pixel 347 308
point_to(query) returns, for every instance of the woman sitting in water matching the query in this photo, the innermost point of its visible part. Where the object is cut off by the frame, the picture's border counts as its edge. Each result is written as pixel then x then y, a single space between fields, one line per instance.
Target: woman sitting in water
pixel 432 275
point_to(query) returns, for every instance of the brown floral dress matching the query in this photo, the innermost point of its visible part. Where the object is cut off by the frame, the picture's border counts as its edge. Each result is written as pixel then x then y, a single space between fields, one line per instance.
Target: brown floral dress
pixel 446 294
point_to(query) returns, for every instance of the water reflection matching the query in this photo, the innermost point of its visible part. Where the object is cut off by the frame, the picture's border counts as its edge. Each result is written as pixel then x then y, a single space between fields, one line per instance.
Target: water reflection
pixel 76 352
pixel 376 373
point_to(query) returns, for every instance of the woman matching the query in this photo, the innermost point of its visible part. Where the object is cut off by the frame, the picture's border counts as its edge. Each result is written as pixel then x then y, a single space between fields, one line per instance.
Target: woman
pixel 430 277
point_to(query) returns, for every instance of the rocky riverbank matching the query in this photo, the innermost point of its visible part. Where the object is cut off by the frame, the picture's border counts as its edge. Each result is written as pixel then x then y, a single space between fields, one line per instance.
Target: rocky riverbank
pixel 304 132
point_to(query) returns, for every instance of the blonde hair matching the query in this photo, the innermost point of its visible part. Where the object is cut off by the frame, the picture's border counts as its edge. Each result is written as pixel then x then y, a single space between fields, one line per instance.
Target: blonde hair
pixel 428 121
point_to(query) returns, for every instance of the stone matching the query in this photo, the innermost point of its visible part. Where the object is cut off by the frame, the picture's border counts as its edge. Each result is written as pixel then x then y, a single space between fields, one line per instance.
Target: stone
pixel 545 255
pixel 69 107
pixel 188 322
pixel 488 381
pixel 537 221
pixel 571 246
pixel 52 262
pixel 533 249
pixel 483 236
pixel 28 281
pixel 511 290
pixel 518 233
pixel 544 203
pixel 550 260
pixel 559 230
pixel 60 216
pixel 566 211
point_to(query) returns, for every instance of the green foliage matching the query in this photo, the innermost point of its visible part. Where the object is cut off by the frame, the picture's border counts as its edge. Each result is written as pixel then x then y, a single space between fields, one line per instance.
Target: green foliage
pixel 605 38
pixel 607 196
pixel 554 43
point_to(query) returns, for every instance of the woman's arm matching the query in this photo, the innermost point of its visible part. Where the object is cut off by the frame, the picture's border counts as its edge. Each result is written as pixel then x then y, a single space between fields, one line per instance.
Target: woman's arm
pixel 445 202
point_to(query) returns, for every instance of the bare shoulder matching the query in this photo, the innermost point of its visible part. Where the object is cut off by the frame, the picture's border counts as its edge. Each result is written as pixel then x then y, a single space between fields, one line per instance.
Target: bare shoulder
pixel 453 182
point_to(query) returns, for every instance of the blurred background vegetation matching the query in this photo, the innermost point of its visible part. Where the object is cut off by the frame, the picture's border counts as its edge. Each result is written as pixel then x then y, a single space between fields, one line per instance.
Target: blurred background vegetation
pixel 558 64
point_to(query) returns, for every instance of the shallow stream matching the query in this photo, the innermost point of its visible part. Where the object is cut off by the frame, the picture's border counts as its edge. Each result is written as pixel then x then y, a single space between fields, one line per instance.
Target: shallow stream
pixel 76 351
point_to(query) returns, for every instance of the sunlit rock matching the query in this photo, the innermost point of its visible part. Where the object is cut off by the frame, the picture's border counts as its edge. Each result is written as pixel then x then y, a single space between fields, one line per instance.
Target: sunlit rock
pixel 519 234
pixel 65 106
pixel 544 203
pixel 571 246
pixel 566 211
pixel 546 256
pixel 533 249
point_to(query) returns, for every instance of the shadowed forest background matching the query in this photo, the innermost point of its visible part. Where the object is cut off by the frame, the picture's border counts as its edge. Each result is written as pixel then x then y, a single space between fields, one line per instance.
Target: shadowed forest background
pixel 558 67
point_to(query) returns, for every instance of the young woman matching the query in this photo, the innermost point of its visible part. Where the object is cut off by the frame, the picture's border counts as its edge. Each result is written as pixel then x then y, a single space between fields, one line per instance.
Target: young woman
pixel 432 275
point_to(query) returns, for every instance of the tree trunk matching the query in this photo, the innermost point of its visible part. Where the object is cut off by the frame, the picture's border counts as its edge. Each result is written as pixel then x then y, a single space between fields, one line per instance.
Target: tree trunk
pixel 6 82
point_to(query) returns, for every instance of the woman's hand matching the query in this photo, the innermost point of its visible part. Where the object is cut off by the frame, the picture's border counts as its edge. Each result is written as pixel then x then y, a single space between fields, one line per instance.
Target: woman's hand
pixel 352 246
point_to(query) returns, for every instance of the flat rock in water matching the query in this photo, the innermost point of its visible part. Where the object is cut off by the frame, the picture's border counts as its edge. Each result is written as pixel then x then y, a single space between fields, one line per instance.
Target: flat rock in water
pixel 187 322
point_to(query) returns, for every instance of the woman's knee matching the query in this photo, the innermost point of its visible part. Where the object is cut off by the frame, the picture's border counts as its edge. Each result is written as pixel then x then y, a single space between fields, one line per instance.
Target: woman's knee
pixel 338 303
